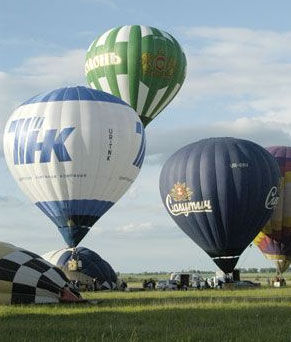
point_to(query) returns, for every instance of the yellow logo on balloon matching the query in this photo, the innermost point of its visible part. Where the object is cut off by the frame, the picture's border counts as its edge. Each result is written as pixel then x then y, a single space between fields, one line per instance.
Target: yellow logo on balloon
pixel 158 65
pixel 180 192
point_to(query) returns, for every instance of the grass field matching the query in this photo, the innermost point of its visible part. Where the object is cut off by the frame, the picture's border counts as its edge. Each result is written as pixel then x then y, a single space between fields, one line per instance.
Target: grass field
pixel 206 315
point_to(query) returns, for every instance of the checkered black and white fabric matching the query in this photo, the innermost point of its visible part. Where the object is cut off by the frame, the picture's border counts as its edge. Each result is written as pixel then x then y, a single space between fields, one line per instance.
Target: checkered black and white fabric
pixel 27 278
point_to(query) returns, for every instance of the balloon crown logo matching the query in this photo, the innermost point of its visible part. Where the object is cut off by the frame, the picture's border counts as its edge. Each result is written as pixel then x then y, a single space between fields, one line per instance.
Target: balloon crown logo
pixel 158 65
pixel 180 192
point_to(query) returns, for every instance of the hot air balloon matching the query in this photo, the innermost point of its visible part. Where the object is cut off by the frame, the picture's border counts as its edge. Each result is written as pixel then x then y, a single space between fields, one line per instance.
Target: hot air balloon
pixel 74 151
pixel 27 278
pixel 274 240
pixel 142 65
pixel 85 266
pixel 220 192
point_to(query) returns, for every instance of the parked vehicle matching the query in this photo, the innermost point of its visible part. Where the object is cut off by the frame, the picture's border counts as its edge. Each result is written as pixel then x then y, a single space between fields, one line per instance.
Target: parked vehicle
pixel 167 285
pixel 246 283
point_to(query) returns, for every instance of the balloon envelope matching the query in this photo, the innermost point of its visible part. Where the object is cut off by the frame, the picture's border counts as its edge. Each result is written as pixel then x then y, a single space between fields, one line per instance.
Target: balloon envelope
pixel 220 192
pixel 74 151
pixel 142 65
pixel 92 266
pixel 274 240
pixel 27 278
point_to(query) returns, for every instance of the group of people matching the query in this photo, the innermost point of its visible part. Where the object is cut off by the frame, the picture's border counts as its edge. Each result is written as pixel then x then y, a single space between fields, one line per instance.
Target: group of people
pixel 149 284
pixel 122 285
pixel 207 283
pixel 277 280
pixel 94 285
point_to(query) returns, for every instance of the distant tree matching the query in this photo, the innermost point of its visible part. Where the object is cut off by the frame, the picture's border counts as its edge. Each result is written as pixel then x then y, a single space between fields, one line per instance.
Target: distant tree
pixel 268 270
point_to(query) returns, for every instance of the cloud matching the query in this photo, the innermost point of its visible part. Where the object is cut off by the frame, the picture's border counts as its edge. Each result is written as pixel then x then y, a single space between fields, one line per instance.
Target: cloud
pixel 238 84
pixel 30 42
pixel 135 228
pixel 11 202
pixel 163 144
pixel 249 69
pixel 66 68
pixel 110 3
pixel 36 75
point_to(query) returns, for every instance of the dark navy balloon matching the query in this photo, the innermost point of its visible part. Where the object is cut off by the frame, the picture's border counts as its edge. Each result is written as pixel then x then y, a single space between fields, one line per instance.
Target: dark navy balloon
pixel 93 266
pixel 220 192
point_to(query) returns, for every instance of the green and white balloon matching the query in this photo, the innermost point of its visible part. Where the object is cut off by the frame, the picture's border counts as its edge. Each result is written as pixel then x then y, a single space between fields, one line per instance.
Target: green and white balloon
pixel 142 65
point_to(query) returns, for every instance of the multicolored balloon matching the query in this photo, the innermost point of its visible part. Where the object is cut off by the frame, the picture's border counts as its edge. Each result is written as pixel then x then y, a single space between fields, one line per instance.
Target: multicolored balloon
pixel 275 238
pixel 74 151
pixel 142 65
pixel 220 192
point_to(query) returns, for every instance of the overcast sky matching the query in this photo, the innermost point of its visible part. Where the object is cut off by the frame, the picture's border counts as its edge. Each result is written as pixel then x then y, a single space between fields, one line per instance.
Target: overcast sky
pixel 238 84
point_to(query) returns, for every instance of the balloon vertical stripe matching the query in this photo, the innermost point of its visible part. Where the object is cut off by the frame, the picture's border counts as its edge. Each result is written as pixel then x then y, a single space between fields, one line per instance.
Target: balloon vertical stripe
pixel 133 55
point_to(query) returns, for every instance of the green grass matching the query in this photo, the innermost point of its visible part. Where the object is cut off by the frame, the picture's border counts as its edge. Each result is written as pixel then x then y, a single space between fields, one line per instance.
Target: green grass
pixel 208 315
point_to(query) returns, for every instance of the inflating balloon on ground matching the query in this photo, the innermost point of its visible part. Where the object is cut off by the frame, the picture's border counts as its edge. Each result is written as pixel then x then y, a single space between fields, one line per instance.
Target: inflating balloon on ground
pixel 27 278
pixel 84 266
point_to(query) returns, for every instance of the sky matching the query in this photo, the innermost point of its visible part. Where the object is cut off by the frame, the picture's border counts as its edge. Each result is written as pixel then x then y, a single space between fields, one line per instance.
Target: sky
pixel 238 84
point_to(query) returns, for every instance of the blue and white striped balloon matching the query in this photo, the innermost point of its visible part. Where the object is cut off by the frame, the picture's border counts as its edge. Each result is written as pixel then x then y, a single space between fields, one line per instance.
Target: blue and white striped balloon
pixel 74 151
